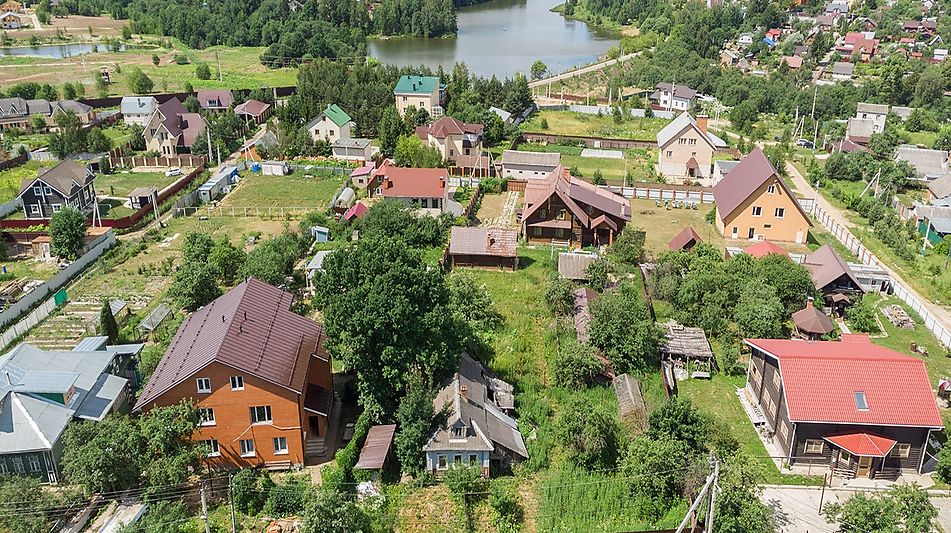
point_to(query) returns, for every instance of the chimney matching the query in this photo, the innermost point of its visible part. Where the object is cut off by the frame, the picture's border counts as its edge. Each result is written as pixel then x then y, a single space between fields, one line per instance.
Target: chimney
pixel 442 183
pixel 702 122
pixel 809 302
pixel 387 183
pixel 222 319
pixel 491 241
pixel 464 391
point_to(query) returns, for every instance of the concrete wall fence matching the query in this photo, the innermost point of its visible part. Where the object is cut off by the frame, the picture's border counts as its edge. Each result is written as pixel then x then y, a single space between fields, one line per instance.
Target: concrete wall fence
pixel 901 291
pixel 47 290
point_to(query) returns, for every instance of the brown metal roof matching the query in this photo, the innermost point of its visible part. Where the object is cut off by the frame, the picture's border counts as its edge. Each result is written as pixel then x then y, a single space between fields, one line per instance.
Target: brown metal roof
pixel 826 266
pixel 496 242
pixel 250 328
pixel 377 446
pixel 752 172
pixel 812 320
pixel 687 236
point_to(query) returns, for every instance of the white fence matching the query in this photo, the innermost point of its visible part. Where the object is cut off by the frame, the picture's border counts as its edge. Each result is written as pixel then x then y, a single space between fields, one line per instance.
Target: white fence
pixel 9 207
pixel 457 181
pixel 901 291
pixel 243 211
pixel 659 192
pixel 603 110
pixel 47 290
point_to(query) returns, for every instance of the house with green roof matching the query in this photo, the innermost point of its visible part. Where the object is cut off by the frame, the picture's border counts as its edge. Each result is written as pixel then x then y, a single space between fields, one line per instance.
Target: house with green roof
pixel 421 92
pixel 331 125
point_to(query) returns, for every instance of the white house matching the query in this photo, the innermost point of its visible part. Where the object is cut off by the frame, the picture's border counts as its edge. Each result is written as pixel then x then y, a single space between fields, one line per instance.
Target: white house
pixel 137 109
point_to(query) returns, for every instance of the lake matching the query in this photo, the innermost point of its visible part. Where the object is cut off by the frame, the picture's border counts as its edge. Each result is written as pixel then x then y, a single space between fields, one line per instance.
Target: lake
pixel 502 37
pixel 54 51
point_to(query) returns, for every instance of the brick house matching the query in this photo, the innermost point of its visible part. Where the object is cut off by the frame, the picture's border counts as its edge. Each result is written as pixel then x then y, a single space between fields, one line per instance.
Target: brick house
pixel 452 138
pixel 863 410
pixel 258 373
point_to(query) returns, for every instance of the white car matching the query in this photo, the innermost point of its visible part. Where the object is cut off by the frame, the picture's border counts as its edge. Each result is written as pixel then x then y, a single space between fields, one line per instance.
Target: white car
pixel 174 171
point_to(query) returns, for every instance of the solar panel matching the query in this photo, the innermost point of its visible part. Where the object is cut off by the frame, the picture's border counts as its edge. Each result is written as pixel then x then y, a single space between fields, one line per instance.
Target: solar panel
pixel 861 403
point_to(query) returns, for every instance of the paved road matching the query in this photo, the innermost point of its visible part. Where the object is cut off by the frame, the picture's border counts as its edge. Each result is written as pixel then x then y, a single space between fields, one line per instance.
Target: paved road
pixel 583 70
pixel 797 508
pixel 940 313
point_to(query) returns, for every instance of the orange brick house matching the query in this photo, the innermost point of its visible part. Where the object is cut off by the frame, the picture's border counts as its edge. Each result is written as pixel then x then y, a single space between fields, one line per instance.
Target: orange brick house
pixel 753 202
pixel 257 372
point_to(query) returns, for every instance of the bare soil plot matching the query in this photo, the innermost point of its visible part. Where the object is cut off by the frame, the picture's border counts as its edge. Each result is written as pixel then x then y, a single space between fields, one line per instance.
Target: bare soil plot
pixel 498 210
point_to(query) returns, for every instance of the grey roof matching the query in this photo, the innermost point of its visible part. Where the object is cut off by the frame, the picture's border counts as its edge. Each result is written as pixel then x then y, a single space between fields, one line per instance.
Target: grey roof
pixel 941 225
pixel 354 142
pixel 155 318
pixel 928 164
pixel 841 68
pixel 91 344
pixel 13 107
pixel 681 91
pixel 502 114
pixel 31 422
pixel 877 109
pixel 941 187
pixel 903 112
pixel 678 125
pixel 67 178
pixel 572 265
pixel 138 105
pixel 317 262
pixel 725 166
pixel 475 399
pixel 74 106
pixel 860 127
pixel 540 159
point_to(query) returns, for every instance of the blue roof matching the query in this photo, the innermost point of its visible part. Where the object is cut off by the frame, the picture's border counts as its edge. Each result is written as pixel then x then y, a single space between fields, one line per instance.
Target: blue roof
pixel 769 42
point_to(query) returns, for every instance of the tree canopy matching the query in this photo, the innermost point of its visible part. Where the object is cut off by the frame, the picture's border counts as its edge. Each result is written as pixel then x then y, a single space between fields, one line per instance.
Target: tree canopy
pixel 67 233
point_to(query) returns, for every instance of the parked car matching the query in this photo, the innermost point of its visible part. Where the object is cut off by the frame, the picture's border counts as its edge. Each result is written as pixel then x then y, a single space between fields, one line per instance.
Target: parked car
pixel 174 171
pixel 805 143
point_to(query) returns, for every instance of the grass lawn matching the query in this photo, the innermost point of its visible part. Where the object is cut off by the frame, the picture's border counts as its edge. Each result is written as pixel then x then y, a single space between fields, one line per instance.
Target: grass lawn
pixel 299 189
pixel 922 138
pixel 636 162
pixel 10 178
pixel 113 208
pixel 663 224
pixel 571 123
pixel 121 183
pixel 30 268
pixel 118 135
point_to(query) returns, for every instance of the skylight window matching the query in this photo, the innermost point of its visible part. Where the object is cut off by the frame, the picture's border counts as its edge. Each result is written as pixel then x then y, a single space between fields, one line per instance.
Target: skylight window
pixel 861 403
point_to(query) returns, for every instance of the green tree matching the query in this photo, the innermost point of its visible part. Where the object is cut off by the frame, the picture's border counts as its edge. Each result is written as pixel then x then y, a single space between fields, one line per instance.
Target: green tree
pixel 97 142
pixel 622 328
pixel 138 82
pixel 679 420
pixel 69 91
pixel 155 60
pixel 368 293
pixel 333 512
pixel 70 137
pixel 739 508
pixel 471 302
pixel 560 295
pixel 598 273
pixel 574 365
pixel 161 517
pixel 943 140
pixel 45 502
pixel 191 103
pixel 743 116
pixel 391 128
pixel 411 152
pixel 538 69
pixel 250 489
pixel 759 311
pixel 656 471
pixel 414 419
pixel 588 432
pixel 225 261
pixel 943 467
pixel 107 322
pixel 273 260
pixel 196 246
pixel 105 455
pixel 38 123
pixel 465 483
pixel 194 285
pixel 628 247
pixel 930 87
pixel 203 71
pixel 67 233
pixel 904 509
pixel 861 317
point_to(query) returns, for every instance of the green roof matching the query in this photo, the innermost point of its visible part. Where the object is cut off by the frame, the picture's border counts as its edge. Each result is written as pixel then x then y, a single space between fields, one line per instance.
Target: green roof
pixel 337 115
pixel 416 85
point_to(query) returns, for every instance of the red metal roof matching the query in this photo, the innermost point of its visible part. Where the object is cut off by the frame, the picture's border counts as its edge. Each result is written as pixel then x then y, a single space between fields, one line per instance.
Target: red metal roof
pixel 376 447
pixel 821 378
pixel 764 248
pixel 863 444
pixel 358 210
pixel 401 182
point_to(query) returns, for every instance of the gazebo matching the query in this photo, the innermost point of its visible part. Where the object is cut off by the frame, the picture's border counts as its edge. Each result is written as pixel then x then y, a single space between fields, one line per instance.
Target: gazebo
pixel 811 323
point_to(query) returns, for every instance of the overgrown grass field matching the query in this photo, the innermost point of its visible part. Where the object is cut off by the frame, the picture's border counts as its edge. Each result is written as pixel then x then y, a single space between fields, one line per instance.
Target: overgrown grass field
pixel 314 191
pixel 572 123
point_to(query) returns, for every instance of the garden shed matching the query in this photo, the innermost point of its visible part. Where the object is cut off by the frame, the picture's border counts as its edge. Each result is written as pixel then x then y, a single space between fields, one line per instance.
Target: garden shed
pixel 688 351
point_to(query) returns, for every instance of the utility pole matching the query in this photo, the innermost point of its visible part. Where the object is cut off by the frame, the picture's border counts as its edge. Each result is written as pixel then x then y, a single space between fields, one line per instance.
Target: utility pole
pixel 711 481
pixel 208 133
pixel 204 507
pixel 218 59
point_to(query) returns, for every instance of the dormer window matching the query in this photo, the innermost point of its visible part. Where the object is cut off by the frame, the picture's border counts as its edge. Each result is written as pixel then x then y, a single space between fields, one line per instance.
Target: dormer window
pixel 458 432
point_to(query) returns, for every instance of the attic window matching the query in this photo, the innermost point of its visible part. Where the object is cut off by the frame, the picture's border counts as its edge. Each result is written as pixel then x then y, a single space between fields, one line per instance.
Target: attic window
pixel 458 432
pixel 861 403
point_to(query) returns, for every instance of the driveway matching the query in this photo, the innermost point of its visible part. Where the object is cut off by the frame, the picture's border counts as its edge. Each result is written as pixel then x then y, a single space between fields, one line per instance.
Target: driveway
pixel 941 314
pixel 797 508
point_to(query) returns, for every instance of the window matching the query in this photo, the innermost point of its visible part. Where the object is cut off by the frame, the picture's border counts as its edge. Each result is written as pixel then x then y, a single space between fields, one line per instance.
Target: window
pixel 458 432
pixel 754 370
pixel 681 141
pixel 457 459
pixel 845 457
pixel 18 465
pixel 473 459
pixel 213 450
pixel 260 414
pixel 783 431
pixel 736 232
pixel 34 463
pixel 441 463
pixel 757 211
pixel 247 447
pixel 3 467
pixel 814 446
pixel 776 379
pixel 542 213
pixel 901 451
pixel 771 189
pixel 780 212
pixel 670 153
pixel 57 208
pixel 38 190
pixel 204 385
pixel 47 190
pixel 35 209
pixel 206 416
pixel 537 232
pixel 861 402
pixel 280 445
pixel 692 142
pixel 237 383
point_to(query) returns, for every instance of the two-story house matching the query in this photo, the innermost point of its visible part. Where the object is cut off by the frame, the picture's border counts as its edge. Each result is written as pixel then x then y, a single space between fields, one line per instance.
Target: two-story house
pixel 421 92
pixel 172 129
pixel 479 430
pixel 331 125
pixel 753 202
pixel 68 184
pixel 424 188
pixel 564 208
pixel 137 109
pixel 257 372
pixel 863 410
pixel 528 165
pixel 672 97
pixel 685 149
pixel 41 392
pixel 452 138
pixel 215 100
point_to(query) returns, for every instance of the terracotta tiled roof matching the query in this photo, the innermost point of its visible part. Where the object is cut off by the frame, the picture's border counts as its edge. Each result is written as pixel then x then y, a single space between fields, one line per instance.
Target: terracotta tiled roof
pixel 863 444
pixel 250 328
pixel 821 380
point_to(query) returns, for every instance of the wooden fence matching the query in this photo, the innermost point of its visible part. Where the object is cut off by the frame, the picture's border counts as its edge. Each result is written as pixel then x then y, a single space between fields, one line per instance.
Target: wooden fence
pixel 165 194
